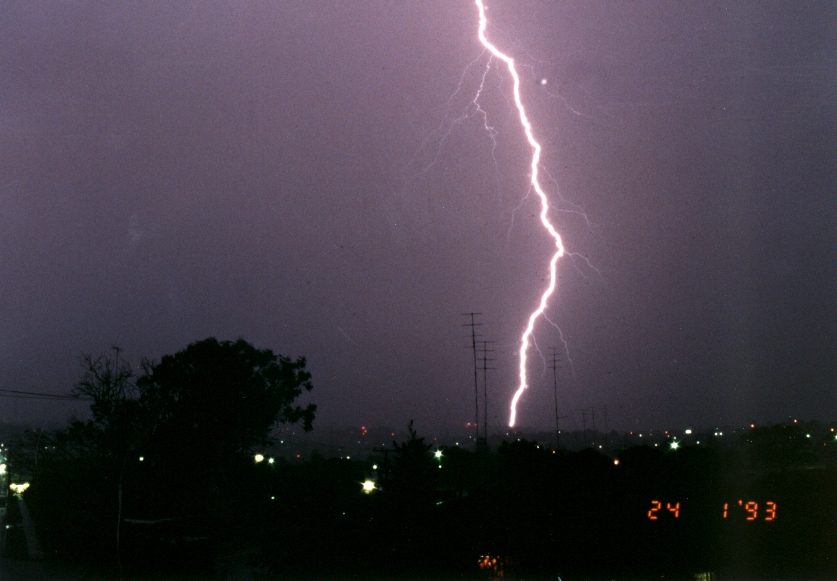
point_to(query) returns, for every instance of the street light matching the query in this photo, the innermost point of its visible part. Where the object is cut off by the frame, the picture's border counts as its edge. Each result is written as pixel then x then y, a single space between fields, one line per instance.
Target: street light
pixel 19 488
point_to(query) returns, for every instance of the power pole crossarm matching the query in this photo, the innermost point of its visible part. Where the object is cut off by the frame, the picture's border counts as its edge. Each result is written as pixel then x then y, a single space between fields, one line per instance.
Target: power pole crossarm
pixel 473 324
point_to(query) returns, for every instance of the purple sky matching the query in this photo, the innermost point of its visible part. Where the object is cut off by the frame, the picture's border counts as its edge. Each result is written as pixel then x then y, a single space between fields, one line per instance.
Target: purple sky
pixel 300 174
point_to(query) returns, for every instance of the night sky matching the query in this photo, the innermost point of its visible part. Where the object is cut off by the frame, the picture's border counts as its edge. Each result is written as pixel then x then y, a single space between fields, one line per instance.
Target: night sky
pixel 305 175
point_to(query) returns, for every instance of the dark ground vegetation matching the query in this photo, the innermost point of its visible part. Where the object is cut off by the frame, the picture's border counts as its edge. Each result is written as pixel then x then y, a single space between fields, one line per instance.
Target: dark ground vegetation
pixel 198 505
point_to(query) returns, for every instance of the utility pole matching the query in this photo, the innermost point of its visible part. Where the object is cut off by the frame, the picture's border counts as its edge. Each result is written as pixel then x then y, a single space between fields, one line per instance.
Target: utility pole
pixel 555 368
pixel 602 409
pixel 584 426
pixel 484 351
pixel 473 324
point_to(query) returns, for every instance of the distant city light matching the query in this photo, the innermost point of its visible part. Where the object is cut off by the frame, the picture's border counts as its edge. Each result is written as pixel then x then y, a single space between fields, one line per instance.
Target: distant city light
pixel 141 458
pixel 258 458
pixel 616 461
pixel 674 445
pixel 437 454
pixel 368 486
pixel 489 562
pixel 271 460
pixel 2 468
pixel 688 431
pixel 374 466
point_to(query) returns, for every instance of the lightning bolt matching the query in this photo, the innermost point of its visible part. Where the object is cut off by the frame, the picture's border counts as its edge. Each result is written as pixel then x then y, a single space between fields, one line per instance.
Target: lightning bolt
pixel 526 338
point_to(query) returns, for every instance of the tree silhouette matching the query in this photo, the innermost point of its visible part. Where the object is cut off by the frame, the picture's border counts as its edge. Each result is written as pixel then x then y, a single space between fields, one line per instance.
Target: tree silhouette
pixel 173 446
pixel 207 407
pixel 108 383
pixel 223 395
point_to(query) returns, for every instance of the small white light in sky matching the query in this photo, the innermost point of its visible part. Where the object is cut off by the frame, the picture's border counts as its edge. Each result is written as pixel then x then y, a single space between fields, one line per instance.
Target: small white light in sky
pixel 688 431
pixel 544 81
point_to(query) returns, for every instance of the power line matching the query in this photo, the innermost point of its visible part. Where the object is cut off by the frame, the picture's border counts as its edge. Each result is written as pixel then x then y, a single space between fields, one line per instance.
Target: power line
pixel 23 394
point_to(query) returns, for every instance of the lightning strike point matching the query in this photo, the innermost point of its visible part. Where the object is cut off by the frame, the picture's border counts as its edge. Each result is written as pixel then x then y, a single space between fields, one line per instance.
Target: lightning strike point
pixel 526 337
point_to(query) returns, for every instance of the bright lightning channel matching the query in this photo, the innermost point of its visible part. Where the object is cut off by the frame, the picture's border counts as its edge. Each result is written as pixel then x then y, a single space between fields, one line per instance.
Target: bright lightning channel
pixel 526 338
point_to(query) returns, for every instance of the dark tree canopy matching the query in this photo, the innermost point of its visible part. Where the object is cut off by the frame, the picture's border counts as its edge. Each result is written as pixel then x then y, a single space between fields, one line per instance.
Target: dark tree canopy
pixel 184 428
pixel 224 393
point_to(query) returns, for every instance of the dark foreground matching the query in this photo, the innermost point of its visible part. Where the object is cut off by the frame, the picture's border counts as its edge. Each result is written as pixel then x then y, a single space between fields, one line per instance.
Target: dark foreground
pixel 522 511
